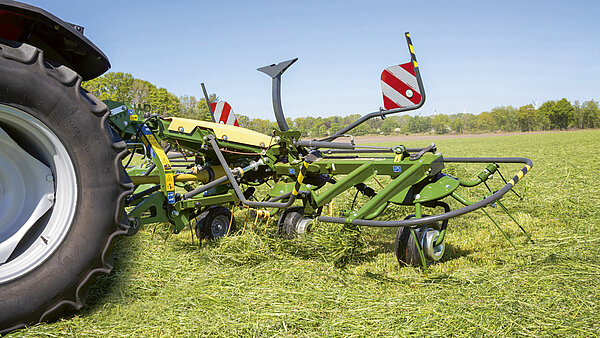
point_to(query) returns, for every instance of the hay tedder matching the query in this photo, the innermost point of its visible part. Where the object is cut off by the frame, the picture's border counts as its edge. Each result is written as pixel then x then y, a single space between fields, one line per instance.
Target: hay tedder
pixel 64 195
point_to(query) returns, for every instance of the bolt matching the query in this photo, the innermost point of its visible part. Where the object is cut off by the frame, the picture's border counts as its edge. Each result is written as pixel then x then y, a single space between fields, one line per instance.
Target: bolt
pixel 51 197
pixel 175 213
pixel 180 129
pixel 224 137
pixel 308 186
pixel 417 196
pixel 448 186
pixel 197 204
pixel 49 178
pixel 125 123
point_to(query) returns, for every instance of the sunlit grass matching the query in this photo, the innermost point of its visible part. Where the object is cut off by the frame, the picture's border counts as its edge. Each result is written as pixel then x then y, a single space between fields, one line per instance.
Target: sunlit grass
pixel 348 283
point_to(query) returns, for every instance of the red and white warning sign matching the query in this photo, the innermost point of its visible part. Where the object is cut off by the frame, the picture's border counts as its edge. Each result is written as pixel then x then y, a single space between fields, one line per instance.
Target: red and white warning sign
pixel 399 86
pixel 223 113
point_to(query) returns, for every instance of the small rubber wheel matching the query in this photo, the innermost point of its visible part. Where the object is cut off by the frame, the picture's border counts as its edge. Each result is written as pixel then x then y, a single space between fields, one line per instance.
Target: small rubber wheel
pixel 293 223
pixel 406 249
pixel 215 223
pixel 62 188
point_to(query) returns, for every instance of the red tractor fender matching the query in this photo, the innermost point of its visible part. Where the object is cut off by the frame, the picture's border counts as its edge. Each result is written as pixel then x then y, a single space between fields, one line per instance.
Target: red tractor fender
pixel 61 41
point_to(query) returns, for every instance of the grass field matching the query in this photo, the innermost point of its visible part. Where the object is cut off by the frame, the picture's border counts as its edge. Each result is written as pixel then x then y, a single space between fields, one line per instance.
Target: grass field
pixel 348 283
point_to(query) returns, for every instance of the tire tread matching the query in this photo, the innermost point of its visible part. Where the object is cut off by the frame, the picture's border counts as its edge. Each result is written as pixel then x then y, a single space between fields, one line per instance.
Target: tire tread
pixel 75 297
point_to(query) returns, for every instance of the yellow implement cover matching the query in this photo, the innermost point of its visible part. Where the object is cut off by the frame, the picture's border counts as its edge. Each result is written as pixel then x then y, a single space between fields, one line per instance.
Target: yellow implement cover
pixel 222 131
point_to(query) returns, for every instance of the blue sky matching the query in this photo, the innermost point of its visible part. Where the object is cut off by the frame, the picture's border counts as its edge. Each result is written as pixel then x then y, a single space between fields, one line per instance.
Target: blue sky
pixel 473 55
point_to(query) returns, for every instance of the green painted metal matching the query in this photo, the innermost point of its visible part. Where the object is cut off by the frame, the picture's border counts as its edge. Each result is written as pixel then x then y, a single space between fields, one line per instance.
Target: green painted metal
pixel 499 228
pixel 411 176
pixel 150 210
pixel 361 174
pixel 437 190
pixel 202 202
pixel 516 222
pixel 482 177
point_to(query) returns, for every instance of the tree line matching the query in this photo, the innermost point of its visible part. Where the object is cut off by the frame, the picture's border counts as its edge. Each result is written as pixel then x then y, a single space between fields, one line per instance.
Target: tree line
pixel 551 115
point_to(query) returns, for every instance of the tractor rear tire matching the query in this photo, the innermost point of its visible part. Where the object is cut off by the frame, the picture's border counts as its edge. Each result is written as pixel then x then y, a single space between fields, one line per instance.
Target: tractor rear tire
pixel 54 124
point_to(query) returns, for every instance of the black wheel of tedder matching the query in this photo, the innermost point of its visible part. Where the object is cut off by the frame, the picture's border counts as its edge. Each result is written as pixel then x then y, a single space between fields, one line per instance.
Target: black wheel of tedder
pixel 61 188
pixel 293 223
pixel 406 247
pixel 214 223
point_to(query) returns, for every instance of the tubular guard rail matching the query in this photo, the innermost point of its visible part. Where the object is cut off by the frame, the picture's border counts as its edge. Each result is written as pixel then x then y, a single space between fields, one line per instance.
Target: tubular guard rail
pixel 454 213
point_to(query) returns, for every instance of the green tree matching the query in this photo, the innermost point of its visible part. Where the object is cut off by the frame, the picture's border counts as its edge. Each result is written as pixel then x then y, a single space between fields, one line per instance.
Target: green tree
pixel 164 103
pixel 389 127
pixel 505 118
pixel 418 124
pixel 526 116
pixel 586 115
pixel 139 91
pixel 457 123
pixel 111 86
pixel 485 122
pixel 562 114
pixel 441 123
pixel 243 121
pixel 189 106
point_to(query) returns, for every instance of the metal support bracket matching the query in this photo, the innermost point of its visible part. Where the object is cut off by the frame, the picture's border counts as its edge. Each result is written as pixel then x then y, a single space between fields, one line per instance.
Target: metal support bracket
pixel 275 71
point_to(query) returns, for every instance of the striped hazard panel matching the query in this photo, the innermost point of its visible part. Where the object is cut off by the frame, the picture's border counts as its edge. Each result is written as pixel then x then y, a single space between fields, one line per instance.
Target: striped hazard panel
pixel 223 113
pixel 400 87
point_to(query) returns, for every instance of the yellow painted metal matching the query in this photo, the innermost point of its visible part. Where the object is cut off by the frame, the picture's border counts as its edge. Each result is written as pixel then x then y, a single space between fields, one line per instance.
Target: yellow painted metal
pixel 202 177
pixel 520 174
pixel 222 131
pixel 163 165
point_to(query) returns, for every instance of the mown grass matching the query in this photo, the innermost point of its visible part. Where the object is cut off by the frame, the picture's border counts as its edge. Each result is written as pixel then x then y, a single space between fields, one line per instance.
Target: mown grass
pixel 348 283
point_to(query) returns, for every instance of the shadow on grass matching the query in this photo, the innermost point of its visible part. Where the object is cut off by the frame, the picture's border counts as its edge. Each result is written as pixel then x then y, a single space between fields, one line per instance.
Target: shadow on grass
pixel 124 251
pixel 377 247
pixel 454 252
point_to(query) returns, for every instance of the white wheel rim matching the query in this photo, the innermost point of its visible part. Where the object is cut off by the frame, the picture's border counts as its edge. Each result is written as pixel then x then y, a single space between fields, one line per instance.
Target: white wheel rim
pixel 432 252
pixel 38 242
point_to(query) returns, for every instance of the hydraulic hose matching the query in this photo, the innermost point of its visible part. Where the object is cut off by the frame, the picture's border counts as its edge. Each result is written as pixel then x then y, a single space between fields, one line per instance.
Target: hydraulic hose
pixel 239 192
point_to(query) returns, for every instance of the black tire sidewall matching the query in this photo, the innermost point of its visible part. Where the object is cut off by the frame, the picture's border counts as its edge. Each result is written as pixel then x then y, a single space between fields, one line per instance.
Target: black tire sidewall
pixel 288 222
pixel 205 220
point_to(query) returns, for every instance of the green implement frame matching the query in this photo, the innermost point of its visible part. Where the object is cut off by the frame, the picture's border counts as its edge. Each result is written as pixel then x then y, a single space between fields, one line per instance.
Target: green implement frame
pixel 192 166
